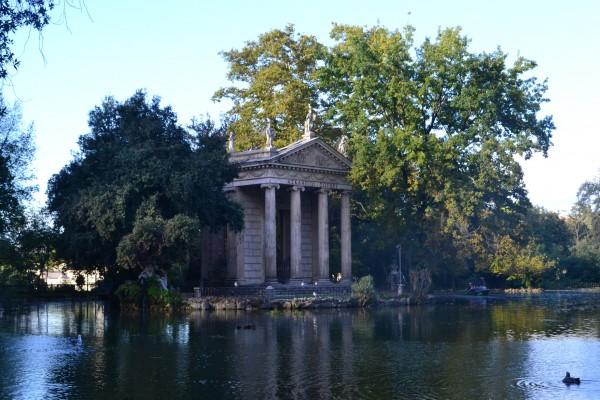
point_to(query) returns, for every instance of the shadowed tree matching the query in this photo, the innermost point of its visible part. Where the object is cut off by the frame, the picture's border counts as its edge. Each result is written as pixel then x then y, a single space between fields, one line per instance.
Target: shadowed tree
pixel 16 153
pixel 141 188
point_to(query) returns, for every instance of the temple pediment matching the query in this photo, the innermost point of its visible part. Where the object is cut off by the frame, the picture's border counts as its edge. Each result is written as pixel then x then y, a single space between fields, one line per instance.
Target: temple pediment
pixel 314 154
pixel 308 163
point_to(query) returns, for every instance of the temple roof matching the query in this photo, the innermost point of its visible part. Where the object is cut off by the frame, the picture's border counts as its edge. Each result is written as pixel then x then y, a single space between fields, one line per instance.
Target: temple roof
pixel 308 162
pixel 312 153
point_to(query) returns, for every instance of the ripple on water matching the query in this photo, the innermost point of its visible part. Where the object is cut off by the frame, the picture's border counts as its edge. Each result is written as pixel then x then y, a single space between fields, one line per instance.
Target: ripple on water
pixel 556 389
pixel 526 383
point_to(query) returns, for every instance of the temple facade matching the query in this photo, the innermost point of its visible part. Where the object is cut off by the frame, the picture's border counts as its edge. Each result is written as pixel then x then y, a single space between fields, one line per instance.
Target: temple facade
pixel 284 194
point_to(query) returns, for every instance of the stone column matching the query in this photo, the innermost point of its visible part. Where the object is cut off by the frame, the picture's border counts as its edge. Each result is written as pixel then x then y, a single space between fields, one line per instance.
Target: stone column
pixel 270 234
pixel 295 232
pixel 346 239
pixel 322 237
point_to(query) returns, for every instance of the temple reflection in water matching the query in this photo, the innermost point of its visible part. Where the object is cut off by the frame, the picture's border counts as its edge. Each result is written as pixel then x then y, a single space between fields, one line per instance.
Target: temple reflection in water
pixel 417 352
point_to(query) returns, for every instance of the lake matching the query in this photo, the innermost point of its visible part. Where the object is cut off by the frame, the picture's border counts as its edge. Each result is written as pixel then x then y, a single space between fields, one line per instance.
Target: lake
pixel 473 349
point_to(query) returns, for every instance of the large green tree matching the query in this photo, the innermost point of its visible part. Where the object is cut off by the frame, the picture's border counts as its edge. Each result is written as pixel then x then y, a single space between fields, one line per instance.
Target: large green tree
pixel 273 80
pixel 141 188
pixel 434 131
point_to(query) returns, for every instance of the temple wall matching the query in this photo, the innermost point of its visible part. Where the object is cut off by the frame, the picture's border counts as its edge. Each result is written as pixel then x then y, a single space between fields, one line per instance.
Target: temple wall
pixel 251 200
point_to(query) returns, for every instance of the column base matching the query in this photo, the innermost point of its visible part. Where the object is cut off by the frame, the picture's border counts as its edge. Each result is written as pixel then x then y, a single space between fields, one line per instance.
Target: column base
pixel 300 281
pixel 272 282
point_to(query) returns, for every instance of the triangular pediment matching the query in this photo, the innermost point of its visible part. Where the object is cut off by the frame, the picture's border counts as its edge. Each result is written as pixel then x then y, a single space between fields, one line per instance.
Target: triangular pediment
pixel 314 153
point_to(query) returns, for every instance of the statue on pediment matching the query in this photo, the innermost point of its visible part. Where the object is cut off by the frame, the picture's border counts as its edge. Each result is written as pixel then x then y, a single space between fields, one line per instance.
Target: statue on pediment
pixel 270 136
pixel 309 124
pixel 231 142
pixel 342 146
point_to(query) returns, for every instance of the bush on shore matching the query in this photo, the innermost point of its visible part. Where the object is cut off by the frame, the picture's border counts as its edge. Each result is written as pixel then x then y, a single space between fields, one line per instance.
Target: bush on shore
pixel 132 294
pixel 363 291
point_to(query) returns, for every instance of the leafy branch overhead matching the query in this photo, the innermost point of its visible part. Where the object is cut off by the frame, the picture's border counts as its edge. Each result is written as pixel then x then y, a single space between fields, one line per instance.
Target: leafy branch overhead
pixel 19 14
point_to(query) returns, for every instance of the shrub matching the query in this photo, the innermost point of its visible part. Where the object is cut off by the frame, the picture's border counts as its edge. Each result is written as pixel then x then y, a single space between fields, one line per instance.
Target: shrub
pixel 420 283
pixel 132 293
pixel 159 297
pixel 129 293
pixel 363 291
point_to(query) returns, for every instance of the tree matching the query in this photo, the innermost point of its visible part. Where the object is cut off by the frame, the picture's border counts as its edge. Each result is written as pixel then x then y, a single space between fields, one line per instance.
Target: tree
pixel 274 80
pixel 36 246
pixel 141 188
pixel 520 263
pixel 15 14
pixel 550 231
pixel 434 135
pixel 434 130
pixel 16 153
pixel 584 222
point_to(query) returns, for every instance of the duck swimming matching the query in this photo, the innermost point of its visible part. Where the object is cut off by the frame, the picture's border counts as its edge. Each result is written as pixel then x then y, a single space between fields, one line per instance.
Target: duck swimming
pixel 252 326
pixel 568 380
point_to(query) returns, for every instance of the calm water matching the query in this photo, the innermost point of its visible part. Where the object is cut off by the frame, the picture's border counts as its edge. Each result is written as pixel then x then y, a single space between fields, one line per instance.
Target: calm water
pixel 482 349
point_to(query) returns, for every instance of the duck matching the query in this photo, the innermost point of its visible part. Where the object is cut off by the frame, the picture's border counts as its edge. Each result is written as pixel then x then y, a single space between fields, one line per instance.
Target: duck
pixel 252 326
pixel 568 380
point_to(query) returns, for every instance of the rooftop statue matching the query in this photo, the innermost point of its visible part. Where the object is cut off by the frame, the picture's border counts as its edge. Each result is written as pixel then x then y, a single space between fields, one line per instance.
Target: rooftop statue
pixel 231 142
pixel 309 124
pixel 342 146
pixel 270 136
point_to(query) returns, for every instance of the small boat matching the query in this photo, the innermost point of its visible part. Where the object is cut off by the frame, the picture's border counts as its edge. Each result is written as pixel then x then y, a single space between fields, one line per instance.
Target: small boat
pixel 477 291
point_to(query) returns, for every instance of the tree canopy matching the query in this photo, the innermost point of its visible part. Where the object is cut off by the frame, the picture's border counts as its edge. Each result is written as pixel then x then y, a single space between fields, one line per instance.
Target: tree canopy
pixel 434 131
pixel 585 223
pixel 275 81
pixel 16 153
pixel 141 187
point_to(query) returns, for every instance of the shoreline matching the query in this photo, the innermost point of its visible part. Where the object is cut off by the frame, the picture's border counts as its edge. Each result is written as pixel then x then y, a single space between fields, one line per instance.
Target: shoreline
pixel 255 303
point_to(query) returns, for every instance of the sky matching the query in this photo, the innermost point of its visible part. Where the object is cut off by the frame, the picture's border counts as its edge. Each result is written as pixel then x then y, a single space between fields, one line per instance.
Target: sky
pixel 171 49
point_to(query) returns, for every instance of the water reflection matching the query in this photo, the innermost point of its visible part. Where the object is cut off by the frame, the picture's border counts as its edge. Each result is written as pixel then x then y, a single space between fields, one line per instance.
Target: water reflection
pixel 515 349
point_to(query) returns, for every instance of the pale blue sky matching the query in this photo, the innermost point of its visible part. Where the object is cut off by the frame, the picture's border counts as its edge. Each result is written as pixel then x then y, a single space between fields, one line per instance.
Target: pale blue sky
pixel 171 48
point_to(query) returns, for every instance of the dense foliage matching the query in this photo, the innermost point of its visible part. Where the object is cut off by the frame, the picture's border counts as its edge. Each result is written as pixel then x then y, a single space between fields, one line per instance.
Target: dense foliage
pixel 279 73
pixel 26 240
pixel 434 133
pixel 363 291
pixel 141 188
pixel 16 153
pixel 583 265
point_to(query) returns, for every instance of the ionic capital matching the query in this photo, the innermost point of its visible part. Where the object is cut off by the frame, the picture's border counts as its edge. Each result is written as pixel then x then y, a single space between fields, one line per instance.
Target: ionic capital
pixel 269 186
pixel 297 188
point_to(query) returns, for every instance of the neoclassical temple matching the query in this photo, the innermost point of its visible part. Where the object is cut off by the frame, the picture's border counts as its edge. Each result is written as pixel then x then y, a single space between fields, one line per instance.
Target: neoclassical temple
pixel 284 194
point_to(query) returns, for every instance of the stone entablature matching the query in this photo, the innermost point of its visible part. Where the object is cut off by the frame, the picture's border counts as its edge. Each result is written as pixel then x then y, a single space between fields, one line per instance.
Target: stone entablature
pixel 284 194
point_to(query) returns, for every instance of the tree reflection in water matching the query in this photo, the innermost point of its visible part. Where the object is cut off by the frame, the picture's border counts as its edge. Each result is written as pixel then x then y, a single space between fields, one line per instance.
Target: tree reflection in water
pixel 514 349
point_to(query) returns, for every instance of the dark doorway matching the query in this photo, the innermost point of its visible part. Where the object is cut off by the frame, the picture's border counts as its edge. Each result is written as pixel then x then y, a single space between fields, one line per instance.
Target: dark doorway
pixel 283 246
